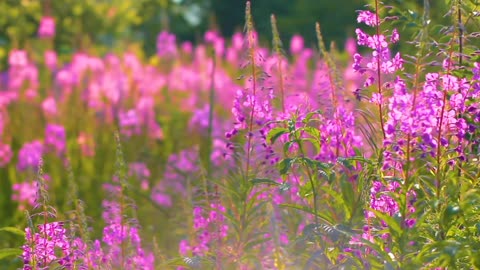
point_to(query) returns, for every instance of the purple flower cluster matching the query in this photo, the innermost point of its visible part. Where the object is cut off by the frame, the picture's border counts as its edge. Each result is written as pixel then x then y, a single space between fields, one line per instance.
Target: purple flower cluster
pixel 140 171
pixel 166 44
pixel 122 243
pixel 55 138
pixel 180 167
pixel 209 228
pixel 47 246
pixel 25 194
pixel 338 137
pixel 30 155
pixel 380 61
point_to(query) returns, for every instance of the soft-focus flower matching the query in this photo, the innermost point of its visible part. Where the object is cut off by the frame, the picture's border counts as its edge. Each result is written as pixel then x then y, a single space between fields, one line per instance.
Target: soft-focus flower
pixel 296 44
pixel 25 194
pixel 166 44
pixel 30 155
pixel 129 123
pixel 46 28
pixel 140 171
pixel 6 154
pixel 50 59
pixel 17 58
pixel 49 106
pixel 55 138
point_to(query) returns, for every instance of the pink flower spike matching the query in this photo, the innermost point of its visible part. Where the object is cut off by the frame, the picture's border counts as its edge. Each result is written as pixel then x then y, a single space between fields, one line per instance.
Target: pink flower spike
pixel 367 17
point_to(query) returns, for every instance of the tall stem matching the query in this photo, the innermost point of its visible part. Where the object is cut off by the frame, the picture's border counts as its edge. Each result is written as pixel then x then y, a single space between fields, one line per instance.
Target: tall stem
pixel 460 32
pixel 211 100
pixel 251 45
pixel 379 80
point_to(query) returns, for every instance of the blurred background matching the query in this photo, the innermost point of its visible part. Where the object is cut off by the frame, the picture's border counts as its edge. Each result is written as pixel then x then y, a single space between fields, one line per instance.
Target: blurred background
pixel 112 24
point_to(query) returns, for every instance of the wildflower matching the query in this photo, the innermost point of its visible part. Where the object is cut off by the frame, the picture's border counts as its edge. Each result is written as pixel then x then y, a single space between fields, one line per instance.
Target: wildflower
pixel 141 172
pixel 46 28
pixel 49 106
pixel 367 17
pixel 166 46
pixel 17 58
pixel 5 154
pixel 25 194
pixel 50 59
pixel 296 44
pixel 55 138
pixel 29 155
pixel 47 246
pixel 129 123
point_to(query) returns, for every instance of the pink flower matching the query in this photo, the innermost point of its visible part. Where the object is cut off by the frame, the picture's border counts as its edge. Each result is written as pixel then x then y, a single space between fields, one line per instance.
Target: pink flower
pixel 55 138
pixel 166 44
pixel 25 194
pixel 50 59
pixel 46 28
pixel 296 44
pixel 368 17
pixel 29 155
pixel 49 106
pixel 18 58
pixel 5 154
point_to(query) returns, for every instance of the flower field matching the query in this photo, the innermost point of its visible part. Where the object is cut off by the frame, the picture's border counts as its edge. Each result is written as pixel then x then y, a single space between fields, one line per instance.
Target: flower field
pixel 235 154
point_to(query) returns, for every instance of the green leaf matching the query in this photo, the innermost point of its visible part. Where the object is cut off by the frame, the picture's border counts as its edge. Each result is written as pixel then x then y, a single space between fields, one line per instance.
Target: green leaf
pixel 315 133
pixel 275 133
pixel 348 196
pixel 392 223
pixel 13 230
pixel 258 181
pixel 285 165
pixel 10 252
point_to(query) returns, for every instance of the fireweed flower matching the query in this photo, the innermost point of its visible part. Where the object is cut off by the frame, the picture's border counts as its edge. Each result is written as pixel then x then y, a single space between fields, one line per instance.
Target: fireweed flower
pixel 6 154
pixel 253 112
pixel 141 172
pixel 129 123
pixel 209 226
pixel 296 44
pixel 166 44
pixel 47 246
pixel 217 41
pixel 145 109
pixel 403 120
pixel 17 58
pixel 381 55
pixel 187 47
pixel 46 28
pixel 50 59
pixel 368 17
pixel 55 138
pixel 29 155
pixel 25 194
pixel 179 167
pixel 22 77
pixel 115 235
pixel 49 106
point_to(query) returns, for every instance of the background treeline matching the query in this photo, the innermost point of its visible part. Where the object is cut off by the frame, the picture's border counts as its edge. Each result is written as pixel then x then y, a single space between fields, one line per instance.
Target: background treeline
pixel 115 23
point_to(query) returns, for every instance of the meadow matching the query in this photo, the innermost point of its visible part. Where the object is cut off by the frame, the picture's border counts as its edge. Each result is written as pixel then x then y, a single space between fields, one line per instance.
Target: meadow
pixel 235 154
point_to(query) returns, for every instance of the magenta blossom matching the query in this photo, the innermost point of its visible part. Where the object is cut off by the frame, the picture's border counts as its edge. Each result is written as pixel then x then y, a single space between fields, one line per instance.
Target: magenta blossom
pixel 46 28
